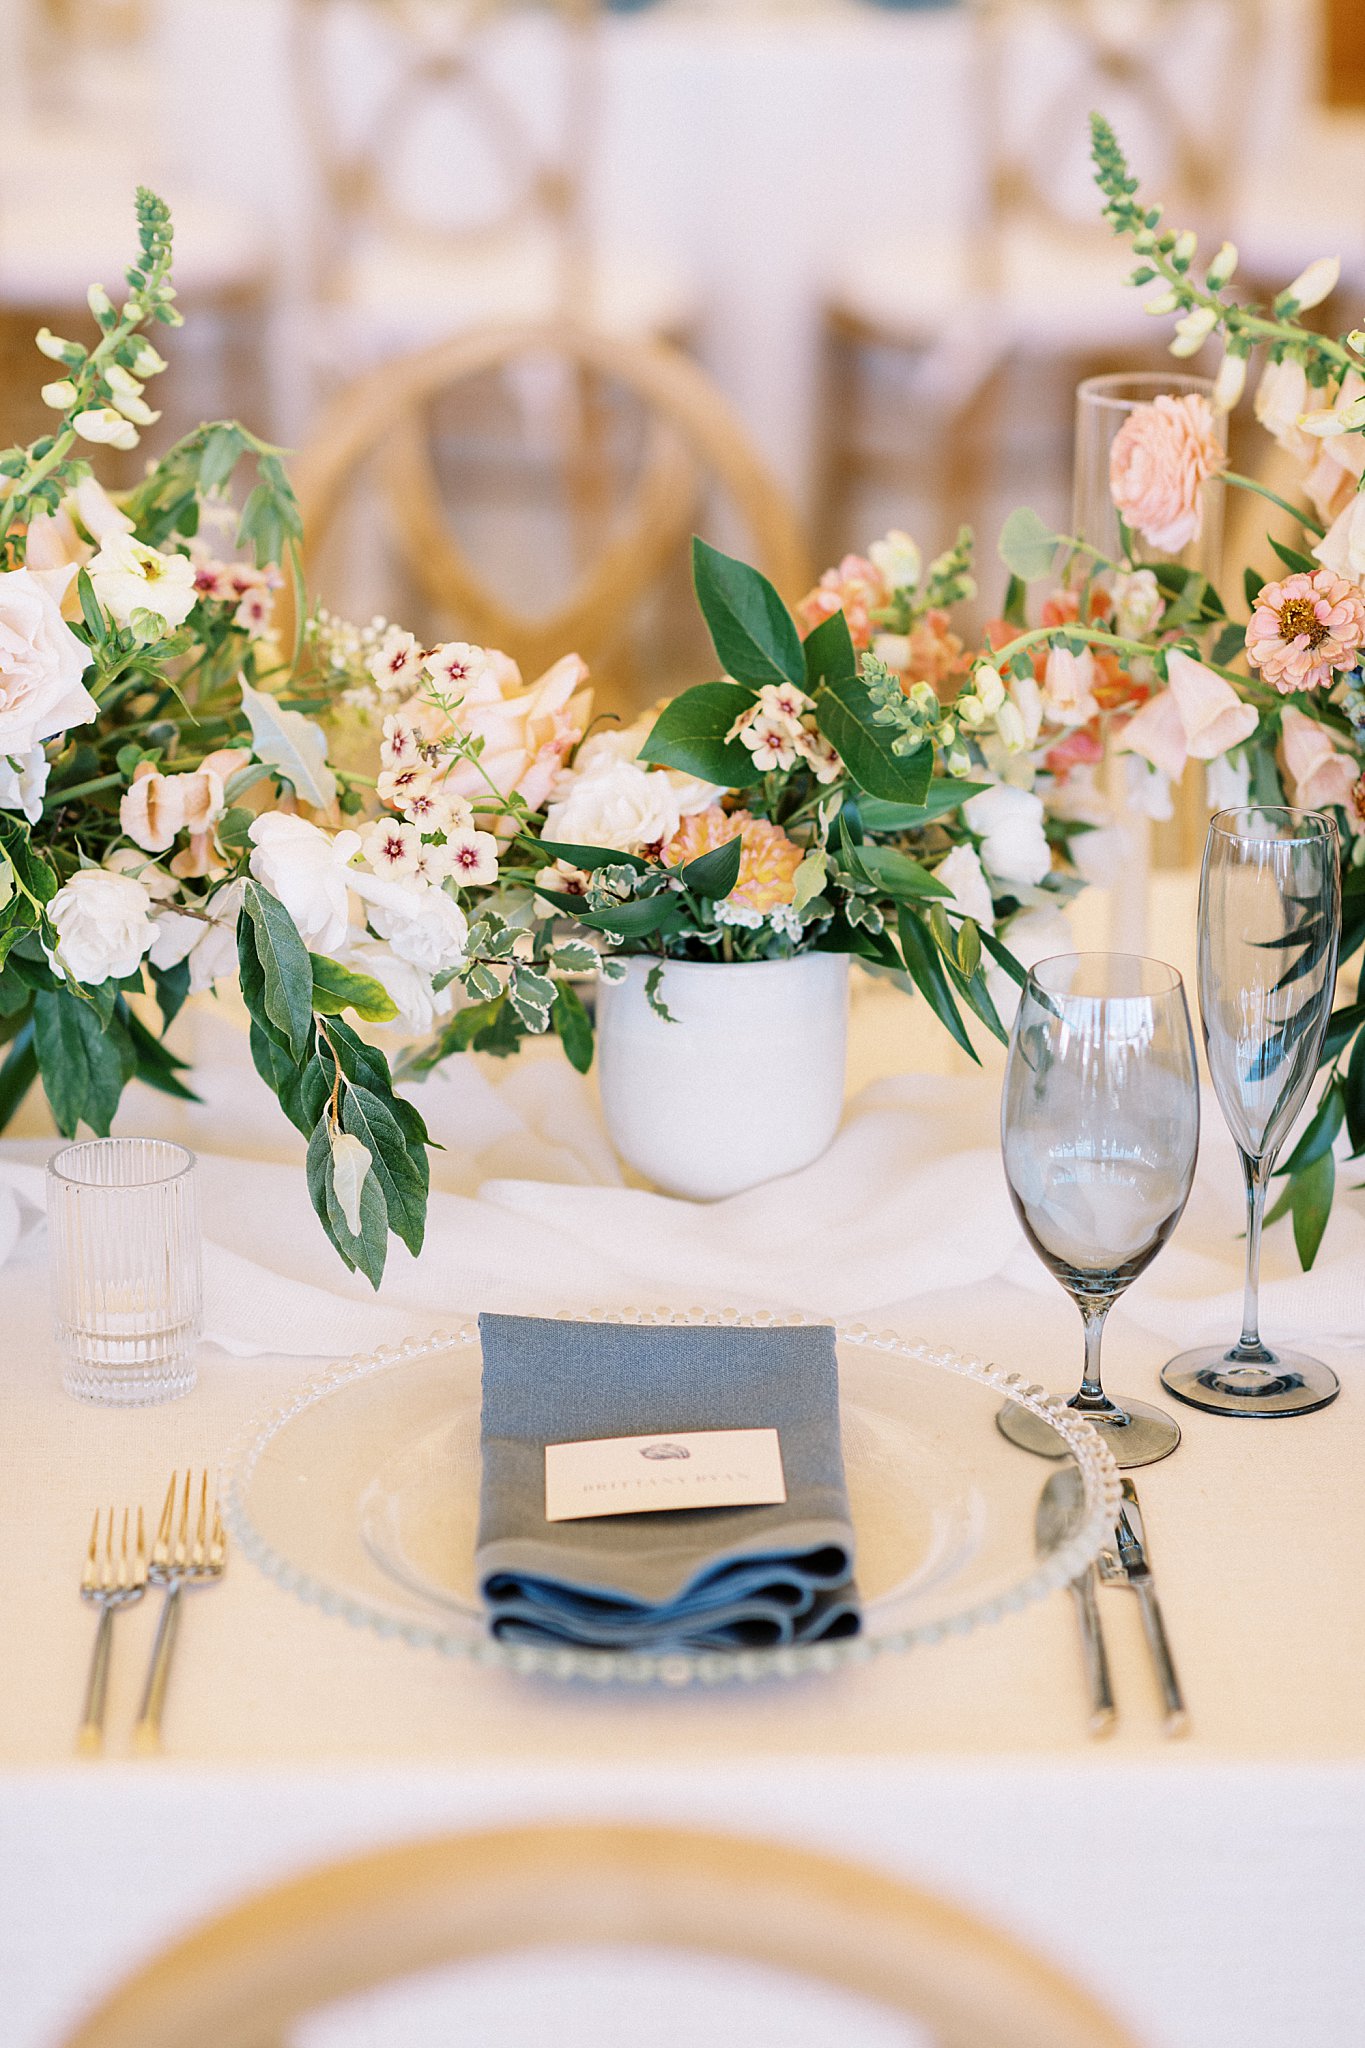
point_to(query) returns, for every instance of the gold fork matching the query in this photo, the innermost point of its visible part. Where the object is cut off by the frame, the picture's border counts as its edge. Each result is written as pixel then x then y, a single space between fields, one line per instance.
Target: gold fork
pixel 177 1561
pixel 108 1584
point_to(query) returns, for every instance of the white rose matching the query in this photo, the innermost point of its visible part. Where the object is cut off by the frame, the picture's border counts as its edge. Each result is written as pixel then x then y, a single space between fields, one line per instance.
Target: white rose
pixel 618 804
pixel 410 987
pixel 1138 603
pixel 960 871
pixel 1009 823
pixel 624 744
pixel 104 926
pixel 422 925
pixel 208 942
pixel 23 779
pixel 129 577
pixel 308 870
pixel 41 661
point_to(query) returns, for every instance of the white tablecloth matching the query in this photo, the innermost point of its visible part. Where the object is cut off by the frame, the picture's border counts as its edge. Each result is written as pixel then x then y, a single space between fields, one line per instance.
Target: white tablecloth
pixel 1212 1890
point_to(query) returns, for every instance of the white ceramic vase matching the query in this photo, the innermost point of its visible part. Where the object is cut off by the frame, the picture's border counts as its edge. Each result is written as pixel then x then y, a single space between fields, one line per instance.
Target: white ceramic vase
pixel 746 1085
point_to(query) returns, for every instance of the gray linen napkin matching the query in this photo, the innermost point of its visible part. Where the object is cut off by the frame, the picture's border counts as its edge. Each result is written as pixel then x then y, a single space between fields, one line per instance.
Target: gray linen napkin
pixel 713 1578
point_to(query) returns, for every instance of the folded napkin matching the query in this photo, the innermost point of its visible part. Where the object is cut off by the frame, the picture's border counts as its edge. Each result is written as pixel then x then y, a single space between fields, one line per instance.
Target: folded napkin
pixel 709 1578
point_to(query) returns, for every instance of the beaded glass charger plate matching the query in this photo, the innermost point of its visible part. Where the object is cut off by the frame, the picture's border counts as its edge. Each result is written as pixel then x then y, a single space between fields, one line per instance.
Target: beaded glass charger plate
pixel 361 1496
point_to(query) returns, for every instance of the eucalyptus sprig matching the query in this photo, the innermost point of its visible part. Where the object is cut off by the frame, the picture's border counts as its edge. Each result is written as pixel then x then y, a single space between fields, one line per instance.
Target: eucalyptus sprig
pixel 99 396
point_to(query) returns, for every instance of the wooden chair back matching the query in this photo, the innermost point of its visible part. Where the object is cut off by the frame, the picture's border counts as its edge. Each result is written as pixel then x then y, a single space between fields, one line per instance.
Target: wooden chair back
pixel 247 1977
pixel 408 61
pixel 691 439
pixel 1172 74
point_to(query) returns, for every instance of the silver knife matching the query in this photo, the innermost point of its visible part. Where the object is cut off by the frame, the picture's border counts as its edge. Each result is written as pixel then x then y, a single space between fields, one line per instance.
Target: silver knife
pixel 1058 1510
pixel 1127 1564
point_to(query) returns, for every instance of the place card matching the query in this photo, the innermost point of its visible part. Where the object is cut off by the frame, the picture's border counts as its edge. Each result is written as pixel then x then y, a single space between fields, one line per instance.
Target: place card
pixel 639 1475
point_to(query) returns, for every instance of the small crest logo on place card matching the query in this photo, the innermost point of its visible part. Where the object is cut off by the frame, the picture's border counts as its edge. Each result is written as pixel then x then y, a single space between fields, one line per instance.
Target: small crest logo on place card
pixel 664 1450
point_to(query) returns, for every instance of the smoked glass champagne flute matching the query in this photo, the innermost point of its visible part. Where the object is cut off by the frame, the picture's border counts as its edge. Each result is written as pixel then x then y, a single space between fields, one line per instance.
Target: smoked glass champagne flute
pixel 1269 929
pixel 1100 1131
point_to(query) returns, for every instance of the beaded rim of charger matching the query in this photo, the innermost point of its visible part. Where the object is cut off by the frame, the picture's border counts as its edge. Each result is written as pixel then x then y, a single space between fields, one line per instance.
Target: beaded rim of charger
pixel 1100 1505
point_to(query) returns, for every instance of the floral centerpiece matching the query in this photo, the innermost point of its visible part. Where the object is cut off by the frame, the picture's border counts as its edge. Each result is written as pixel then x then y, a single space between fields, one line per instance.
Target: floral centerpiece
pixel 170 819
pixel 1273 702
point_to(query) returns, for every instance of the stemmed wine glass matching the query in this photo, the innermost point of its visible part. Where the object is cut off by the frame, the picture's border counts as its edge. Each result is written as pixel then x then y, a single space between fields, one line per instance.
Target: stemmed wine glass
pixel 1269 929
pixel 1100 1131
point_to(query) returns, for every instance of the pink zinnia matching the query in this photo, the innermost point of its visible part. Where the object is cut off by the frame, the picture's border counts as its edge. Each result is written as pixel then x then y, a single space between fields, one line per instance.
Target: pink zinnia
pixel 1163 455
pixel 1304 629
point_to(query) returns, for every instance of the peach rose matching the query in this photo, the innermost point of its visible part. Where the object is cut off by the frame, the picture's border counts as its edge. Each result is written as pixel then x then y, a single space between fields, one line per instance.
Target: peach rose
pixel 1162 456
pixel 856 588
pixel 527 734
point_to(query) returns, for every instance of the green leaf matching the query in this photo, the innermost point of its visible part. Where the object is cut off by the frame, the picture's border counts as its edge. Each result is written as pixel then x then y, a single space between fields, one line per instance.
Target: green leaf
pixel 286 967
pixel 845 713
pixel 637 920
pixel 1311 1203
pixel 829 653
pixel 654 993
pixel 1355 1098
pixel 172 985
pixel 1003 957
pixel 690 734
pixel 1028 548
pixel 1012 611
pixel 276 1068
pixel 573 956
pixel 19 1072
pixel 83 1064
pixel 1302 565
pixel 223 444
pixel 574 1026
pixel 292 744
pixel 925 968
pixel 1342 1027
pixel 809 878
pixel 1229 644
pixel 899 873
pixel 714 874
pixel 96 624
pixel 31 869
pixel 752 631
pixel 367 1250
pixel 1251 585
pixel 154 1063
pixel 587 857
pixel 1320 1132
pixel 337 988
pixel 944 795
pixel 531 995
pixel 402 1176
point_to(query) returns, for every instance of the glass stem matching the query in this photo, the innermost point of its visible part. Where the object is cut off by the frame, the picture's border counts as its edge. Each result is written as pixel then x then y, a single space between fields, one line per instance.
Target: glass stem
pixel 1092 1395
pixel 1255 1173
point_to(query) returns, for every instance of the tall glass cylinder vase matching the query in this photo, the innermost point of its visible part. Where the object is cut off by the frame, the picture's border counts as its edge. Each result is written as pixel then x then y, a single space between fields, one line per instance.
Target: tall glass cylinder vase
pixel 1102 406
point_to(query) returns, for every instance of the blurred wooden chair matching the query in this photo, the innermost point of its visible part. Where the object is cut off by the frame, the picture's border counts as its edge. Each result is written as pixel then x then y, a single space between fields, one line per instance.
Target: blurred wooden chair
pixel 640 434
pixel 451 146
pixel 249 1976
pixel 1029 271
pixel 79 130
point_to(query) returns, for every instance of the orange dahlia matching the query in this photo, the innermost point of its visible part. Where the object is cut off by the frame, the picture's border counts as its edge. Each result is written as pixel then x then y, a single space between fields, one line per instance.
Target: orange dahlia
pixel 767 864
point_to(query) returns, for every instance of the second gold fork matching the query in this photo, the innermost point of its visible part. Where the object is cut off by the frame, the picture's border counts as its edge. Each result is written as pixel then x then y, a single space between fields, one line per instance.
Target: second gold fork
pixel 177 1561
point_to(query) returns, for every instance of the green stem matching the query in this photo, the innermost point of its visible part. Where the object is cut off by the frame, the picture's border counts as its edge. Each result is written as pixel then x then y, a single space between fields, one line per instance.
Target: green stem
pixel 67 796
pixel 1247 483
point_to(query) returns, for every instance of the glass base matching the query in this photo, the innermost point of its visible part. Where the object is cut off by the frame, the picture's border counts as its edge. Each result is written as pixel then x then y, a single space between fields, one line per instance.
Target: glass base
pixel 1135 1434
pixel 129 1386
pixel 1283 1383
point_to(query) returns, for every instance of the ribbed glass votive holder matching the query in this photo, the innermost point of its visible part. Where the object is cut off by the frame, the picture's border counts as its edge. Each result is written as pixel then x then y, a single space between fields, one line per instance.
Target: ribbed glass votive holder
pixel 127 1279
